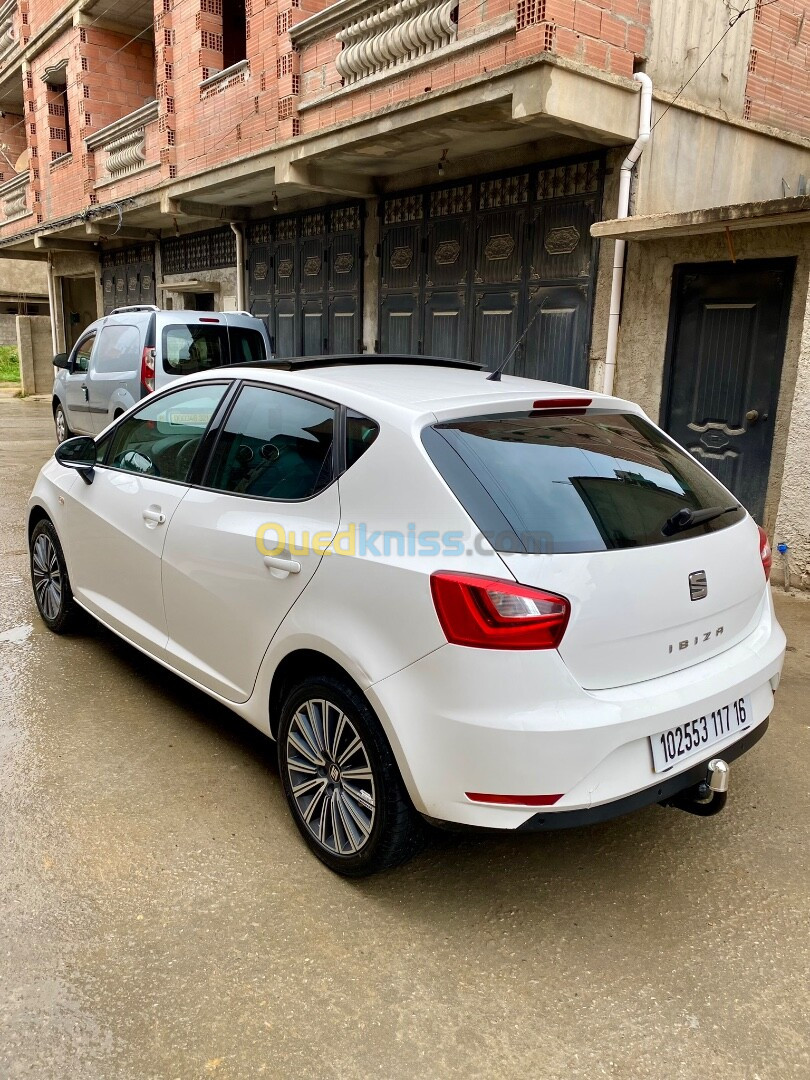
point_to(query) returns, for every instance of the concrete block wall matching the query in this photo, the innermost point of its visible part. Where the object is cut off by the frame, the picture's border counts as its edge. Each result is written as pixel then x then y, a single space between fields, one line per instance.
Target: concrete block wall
pixel 35 347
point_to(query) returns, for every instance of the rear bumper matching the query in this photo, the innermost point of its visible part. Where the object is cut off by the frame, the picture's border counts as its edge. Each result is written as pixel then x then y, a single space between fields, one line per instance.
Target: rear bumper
pixel 517 724
pixel 667 789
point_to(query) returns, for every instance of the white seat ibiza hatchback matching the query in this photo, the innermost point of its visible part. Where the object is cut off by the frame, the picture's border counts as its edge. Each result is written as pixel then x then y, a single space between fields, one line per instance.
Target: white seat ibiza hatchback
pixel 503 604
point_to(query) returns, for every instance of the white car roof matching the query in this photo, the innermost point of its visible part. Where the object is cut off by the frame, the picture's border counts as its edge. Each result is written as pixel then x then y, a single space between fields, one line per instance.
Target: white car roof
pixel 401 392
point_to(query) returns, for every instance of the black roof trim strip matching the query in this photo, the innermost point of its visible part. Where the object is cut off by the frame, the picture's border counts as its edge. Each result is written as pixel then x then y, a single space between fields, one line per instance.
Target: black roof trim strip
pixel 303 363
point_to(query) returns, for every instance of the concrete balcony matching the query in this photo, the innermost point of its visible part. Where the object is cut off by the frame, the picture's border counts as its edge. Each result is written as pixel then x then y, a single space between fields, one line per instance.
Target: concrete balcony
pixel 121 148
pixel 14 197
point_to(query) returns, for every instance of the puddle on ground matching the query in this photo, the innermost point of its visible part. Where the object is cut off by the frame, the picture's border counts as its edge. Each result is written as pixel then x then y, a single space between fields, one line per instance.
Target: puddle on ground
pixel 17 634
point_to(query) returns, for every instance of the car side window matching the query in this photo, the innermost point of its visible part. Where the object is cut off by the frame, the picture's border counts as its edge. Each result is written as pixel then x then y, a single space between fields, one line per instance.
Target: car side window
pixel 81 359
pixel 274 446
pixel 119 348
pixel 360 434
pixel 162 437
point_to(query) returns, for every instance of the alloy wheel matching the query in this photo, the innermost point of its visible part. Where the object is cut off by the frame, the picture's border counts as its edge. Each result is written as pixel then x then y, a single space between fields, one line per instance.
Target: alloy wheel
pixel 330 776
pixel 61 426
pixel 47 577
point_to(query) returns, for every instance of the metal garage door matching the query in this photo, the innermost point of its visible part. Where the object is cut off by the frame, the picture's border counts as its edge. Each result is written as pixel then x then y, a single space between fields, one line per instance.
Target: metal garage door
pixel 465 267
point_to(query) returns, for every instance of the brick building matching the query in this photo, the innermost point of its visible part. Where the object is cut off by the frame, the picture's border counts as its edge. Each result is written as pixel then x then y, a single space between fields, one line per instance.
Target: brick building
pixel 436 176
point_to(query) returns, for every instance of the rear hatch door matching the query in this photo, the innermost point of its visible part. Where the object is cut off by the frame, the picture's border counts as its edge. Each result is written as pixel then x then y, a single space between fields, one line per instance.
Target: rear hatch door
pixel 598 505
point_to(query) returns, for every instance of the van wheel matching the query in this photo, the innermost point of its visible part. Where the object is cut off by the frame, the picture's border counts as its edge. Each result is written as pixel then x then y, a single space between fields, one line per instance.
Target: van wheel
pixel 49 577
pixel 341 780
pixel 60 420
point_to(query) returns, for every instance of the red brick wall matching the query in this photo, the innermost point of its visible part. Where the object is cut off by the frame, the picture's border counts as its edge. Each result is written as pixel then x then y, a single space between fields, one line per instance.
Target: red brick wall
pixel 41 12
pixel 58 190
pixel 216 124
pixel 116 76
pixel 778 87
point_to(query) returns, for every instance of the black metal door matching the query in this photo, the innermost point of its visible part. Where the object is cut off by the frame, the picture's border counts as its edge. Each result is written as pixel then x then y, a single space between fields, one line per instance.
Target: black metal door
pixel 727 341
pixel 464 267
pixel 128 277
pixel 305 279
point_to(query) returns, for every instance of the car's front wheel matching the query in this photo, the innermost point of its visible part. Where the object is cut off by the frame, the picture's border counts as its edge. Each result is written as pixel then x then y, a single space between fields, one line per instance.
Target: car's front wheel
pixel 49 577
pixel 63 432
pixel 341 780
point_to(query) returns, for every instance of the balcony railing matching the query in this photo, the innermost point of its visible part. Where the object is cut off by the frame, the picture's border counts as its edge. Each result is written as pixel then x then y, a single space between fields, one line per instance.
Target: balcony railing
pixel 124 143
pixel 391 34
pixel 13 196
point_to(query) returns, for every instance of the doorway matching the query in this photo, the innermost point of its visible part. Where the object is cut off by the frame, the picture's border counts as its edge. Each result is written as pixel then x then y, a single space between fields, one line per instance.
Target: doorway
pixel 80 308
pixel 728 323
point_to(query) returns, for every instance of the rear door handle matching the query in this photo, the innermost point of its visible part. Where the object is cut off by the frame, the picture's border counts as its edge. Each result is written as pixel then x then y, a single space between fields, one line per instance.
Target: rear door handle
pixel 288 566
pixel 154 516
pixel 86 391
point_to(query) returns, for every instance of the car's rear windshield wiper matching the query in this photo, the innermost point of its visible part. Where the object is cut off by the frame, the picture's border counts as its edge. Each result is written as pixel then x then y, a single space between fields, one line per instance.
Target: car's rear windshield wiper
pixel 688 519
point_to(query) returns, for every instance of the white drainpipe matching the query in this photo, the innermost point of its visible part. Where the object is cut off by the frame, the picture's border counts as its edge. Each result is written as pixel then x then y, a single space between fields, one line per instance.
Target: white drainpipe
pixel 241 300
pixel 52 306
pixel 644 119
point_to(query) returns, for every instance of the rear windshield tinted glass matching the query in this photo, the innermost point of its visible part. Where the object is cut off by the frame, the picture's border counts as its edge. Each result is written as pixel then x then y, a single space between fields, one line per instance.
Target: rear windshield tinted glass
pixel 544 482
pixel 195 347
pixel 247 346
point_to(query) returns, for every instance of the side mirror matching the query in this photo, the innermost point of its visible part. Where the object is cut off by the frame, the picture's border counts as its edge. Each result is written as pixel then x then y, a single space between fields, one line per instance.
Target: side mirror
pixel 79 454
pixel 61 360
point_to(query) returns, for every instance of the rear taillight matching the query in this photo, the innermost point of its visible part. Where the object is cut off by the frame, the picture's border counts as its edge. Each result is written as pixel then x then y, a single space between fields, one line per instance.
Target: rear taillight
pixel 487 613
pixel 148 370
pixel 765 552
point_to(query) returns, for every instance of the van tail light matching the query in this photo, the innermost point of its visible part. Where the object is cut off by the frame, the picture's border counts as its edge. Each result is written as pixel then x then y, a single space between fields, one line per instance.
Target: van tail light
pixel 487 613
pixel 148 370
pixel 765 552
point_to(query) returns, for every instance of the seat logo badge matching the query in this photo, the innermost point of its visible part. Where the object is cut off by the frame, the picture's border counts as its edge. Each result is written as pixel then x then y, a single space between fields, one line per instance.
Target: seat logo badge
pixel 698 586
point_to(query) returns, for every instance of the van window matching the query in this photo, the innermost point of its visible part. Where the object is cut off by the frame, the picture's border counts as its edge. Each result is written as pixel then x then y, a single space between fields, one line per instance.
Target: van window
pixel 247 346
pixel 550 482
pixel 194 347
pixel 119 348
pixel 81 359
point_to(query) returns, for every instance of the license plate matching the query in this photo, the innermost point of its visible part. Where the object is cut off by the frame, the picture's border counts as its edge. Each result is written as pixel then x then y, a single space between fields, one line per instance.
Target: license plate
pixel 691 737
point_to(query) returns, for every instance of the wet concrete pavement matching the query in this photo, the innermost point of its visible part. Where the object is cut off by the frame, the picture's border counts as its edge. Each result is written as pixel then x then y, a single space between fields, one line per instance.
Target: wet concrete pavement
pixel 161 918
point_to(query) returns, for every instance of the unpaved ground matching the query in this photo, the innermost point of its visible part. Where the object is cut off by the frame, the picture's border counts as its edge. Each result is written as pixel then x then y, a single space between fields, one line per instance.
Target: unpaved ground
pixel 160 917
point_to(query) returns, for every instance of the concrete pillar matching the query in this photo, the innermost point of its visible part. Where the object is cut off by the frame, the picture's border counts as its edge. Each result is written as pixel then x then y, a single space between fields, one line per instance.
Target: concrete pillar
pixel 25 350
pixel 371 275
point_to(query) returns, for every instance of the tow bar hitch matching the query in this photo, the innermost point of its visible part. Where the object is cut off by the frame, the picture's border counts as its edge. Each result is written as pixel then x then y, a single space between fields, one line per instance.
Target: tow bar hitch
pixel 709 796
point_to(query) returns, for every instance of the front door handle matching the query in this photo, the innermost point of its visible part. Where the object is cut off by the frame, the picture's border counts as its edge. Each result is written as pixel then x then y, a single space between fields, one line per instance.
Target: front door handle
pixel 287 566
pixel 86 391
pixel 155 517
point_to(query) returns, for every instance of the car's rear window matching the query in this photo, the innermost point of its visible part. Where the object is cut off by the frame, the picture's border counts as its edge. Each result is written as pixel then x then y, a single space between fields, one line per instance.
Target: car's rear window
pixel 551 482
pixel 194 347
pixel 247 346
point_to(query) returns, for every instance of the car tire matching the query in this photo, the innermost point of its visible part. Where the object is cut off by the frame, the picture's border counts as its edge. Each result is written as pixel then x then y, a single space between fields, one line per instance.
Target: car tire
pixel 343 788
pixel 50 581
pixel 63 431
